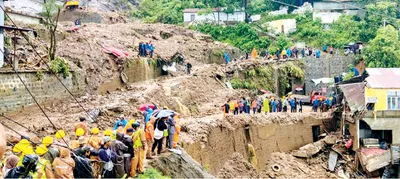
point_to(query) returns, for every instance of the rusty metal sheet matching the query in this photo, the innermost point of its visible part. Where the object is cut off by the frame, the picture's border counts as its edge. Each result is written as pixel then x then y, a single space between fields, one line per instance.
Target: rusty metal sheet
pixel 354 94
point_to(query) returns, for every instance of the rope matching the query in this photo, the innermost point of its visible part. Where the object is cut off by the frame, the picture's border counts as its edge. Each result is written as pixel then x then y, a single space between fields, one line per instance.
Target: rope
pixel 33 97
pixel 42 60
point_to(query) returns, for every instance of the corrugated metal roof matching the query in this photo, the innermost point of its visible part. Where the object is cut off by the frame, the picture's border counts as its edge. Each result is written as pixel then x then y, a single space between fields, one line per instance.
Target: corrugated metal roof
pixel 383 78
pixel 354 94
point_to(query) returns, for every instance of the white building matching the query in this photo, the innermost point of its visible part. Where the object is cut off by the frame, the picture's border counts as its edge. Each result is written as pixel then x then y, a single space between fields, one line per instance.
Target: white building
pixel 330 10
pixel 217 15
pixel 285 26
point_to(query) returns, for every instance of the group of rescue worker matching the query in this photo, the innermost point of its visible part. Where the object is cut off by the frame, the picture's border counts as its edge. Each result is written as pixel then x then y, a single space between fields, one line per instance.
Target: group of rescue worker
pixel 115 153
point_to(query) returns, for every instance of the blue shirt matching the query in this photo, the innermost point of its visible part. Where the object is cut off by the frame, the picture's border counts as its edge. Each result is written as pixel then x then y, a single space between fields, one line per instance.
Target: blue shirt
pixel 123 121
pixel 151 47
pixel 315 103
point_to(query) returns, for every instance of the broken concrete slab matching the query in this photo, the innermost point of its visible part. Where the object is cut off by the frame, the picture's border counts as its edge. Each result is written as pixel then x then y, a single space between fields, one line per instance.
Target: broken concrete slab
pixel 330 139
pixel 333 156
pixel 179 166
pixel 309 149
pixel 374 159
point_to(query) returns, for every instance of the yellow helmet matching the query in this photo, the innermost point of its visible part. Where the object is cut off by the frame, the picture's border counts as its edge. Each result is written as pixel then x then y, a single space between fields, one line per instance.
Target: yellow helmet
pixel 28 150
pixel 60 134
pixel 107 132
pixel 41 149
pixel 95 130
pixel 24 142
pixel 18 148
pixel 79 132
pixel 48 140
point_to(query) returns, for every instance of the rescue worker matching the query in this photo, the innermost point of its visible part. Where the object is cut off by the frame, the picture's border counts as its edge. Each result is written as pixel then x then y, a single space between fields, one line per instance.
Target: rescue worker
pixel 107 132
pixel 106 155
pixel 139 145
pixel 129 125
pixel 25 170
pixel 64 165
pixel 121 119
pixel 254 53
pixel 120 128
pixel 74 144
pixel 95 140
pixel 22 148
pixel 150 137
pixel 119 148
pixel 130 153
pixel 236 111
pixel 44 169
pixel 254 106
pixel 60 134
pixel 52 152
pixel 232 106
pixel 266 106
pixel 82 124
pixel 177 131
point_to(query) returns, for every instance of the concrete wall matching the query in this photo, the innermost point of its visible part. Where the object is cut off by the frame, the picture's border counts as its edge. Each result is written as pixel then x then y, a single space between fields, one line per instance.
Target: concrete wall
pixel 331 5
pixel 325 66
pixel 14 96
pixel 327 17
pixel 284 25
pixel 24 18
pixel 235 17
pixel 386 124
pixel 221 142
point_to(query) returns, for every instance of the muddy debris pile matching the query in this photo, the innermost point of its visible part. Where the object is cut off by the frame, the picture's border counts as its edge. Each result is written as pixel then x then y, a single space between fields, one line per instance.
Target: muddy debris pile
pixel 283 165
pixel 238 167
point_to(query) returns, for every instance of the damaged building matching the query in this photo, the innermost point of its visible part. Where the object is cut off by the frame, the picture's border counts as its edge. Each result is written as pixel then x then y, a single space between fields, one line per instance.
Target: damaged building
pixel 371 117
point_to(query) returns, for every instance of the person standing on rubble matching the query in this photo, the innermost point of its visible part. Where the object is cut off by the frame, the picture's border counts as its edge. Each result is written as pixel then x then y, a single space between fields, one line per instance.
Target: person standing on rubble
pixel 151 49
pixel 82 124
pixel 227 58
pixel 266 106
pixel 259 104
pixel 254 106
pixel 301 106
pixel 188 67
pixel 321 105
pixel 236 111
pixel 279 105
pixel 139 145
pixel 315 105
pixel 226 107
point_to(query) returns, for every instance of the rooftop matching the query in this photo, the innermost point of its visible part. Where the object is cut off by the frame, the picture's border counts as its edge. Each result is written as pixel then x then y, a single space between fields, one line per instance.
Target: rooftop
pixel 387 78
pixel 195 10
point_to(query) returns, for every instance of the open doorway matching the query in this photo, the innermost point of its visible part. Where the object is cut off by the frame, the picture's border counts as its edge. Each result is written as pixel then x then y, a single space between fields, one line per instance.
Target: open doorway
pixel 315 132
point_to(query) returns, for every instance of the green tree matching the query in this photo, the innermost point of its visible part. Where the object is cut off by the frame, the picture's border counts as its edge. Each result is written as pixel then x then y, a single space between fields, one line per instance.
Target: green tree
pixel 384 49
pixel 376 15
pixel 51 9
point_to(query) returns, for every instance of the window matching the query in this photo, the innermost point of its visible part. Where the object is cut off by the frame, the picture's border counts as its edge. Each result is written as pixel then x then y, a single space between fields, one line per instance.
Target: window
pixel 393 100
pixel 192 17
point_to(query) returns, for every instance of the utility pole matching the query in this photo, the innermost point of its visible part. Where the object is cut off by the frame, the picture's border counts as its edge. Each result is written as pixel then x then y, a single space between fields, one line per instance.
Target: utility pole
pixel 384 22
pixel 2 33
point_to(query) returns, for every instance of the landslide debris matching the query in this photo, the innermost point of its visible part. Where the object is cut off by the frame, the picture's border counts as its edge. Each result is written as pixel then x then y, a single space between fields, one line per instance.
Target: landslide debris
pixel 283 165
pixel 238 167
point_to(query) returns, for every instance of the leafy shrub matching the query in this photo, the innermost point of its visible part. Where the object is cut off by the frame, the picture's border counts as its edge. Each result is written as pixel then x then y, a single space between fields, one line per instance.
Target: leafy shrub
pixel 153 173
pixel 59 65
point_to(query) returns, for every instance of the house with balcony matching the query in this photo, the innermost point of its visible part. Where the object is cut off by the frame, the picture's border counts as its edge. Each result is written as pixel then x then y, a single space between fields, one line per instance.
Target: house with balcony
pixel 371 117
pixel 217 15
pixel 373 106
pixel 330 10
